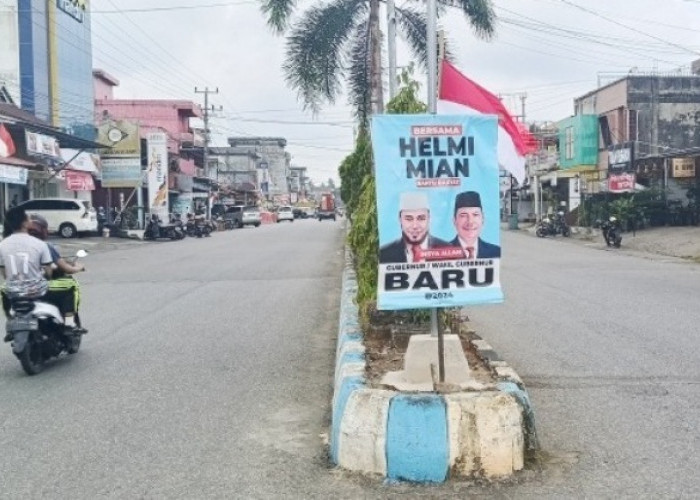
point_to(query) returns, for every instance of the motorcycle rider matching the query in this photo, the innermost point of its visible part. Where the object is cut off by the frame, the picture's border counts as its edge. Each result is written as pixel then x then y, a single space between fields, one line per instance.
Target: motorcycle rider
pixel 24 260
pixel 63 289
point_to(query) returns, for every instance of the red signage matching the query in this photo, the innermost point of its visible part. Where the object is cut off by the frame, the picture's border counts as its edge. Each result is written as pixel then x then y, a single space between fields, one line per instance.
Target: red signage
pixel 621 183
pixel 79 181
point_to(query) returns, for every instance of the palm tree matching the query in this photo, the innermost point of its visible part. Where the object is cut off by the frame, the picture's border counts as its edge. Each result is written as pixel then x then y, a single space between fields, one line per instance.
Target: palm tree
pixel 341 39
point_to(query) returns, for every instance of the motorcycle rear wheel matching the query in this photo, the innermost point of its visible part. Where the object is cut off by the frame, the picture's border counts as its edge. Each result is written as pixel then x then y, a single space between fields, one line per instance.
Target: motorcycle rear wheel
pixel 74 344
pixel 566 231
pixel 31 358
pixel 540 231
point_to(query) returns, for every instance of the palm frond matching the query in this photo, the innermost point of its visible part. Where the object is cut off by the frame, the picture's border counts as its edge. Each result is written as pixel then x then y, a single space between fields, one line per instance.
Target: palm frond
pixel 479 13
pixel 278 13
pixel 314 64
pixel 413 27
pixel 359 80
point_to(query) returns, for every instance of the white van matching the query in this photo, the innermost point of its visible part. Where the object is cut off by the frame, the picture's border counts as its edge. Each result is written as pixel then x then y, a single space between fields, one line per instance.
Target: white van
pixel 66 216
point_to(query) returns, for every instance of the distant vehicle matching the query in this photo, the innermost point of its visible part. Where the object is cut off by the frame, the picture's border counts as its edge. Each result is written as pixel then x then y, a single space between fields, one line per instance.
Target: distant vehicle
pixel 231 214
pixel 66 216
pixel 285 213
pixel 298 213
pixel 251 216
pixel 310 212
pixel 326 210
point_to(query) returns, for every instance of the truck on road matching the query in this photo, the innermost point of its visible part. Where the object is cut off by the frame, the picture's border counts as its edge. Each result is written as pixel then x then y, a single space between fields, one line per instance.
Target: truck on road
pixel 326 209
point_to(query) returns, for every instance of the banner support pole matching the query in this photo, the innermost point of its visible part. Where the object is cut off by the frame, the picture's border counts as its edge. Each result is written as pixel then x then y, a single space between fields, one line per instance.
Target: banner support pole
pixel 431 18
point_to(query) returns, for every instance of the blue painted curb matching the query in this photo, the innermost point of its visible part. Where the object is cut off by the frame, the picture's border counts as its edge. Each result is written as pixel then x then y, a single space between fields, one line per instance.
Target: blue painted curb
pixel 417 444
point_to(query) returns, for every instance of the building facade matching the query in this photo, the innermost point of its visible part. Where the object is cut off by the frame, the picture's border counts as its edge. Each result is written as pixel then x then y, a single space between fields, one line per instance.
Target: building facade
pixel 274 165
pixel 46 61
pixel 235 171
pixel 168 116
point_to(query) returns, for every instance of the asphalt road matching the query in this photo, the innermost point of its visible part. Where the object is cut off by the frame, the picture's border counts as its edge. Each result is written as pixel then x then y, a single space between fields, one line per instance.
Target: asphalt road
pixel 607 343
pixel 207 373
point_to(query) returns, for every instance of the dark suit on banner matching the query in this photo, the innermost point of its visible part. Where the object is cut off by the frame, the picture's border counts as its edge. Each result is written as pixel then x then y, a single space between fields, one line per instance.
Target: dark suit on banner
pixel 485 250
pixel 396 250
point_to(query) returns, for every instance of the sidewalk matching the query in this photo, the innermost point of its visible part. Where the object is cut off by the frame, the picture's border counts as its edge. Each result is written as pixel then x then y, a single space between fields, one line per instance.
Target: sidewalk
pixel 673 241
pixel 93 244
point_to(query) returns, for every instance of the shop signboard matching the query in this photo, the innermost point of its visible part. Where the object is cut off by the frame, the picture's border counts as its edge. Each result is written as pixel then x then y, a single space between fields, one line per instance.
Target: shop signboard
pixel 121 164
pixel 621 183
pixel 683 167
pixel 13 175
pixel 79 181
pixel 438 210
pixel 42 145
pixel 124 172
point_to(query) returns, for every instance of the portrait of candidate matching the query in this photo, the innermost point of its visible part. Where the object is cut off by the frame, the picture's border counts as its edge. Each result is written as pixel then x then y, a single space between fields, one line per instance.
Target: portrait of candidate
pixel 414 217
pixel 469 221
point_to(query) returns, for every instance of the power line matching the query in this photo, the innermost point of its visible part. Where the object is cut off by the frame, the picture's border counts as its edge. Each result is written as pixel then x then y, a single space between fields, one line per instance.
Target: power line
pixel 597 14
pixel 173 7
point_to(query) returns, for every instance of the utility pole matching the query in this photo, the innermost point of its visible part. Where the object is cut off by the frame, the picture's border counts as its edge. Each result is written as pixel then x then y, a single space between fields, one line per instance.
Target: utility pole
pixel 206 93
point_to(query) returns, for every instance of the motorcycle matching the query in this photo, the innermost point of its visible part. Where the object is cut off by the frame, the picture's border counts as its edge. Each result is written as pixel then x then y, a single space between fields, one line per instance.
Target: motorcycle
pixel 612 232
pixel 197 226
pixel 178 226
pixel 155 230
pixel 553 226
pixel 37 331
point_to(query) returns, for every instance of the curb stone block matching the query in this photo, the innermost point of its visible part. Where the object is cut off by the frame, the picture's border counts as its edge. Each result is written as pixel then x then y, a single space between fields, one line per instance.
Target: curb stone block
pixel 362 437
pixel 413 453
pixel 345 389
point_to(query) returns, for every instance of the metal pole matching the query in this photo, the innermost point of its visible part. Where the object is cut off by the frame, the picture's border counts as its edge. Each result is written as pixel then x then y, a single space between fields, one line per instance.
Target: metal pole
pixel 391 45
pixel 431 18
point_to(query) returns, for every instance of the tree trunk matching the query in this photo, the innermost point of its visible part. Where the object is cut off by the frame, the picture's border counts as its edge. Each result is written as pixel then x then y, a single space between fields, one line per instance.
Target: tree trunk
pixel 377 90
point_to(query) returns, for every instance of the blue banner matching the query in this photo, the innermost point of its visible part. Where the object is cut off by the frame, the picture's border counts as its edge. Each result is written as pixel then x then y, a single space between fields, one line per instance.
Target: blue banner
pixel 438 210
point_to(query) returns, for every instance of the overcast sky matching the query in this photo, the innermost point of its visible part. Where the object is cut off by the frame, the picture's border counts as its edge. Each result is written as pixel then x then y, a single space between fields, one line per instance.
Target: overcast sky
pixel 551 50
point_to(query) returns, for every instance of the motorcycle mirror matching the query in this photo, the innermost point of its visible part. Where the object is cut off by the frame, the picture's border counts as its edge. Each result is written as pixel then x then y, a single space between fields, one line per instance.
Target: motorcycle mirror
pixel 81 253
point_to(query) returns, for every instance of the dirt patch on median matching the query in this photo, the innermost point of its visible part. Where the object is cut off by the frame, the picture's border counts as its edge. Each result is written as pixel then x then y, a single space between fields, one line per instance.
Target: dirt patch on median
pixel 386 341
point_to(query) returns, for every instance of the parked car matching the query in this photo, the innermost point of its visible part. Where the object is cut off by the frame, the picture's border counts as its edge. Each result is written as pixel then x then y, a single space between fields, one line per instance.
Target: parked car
pixel 285 213
pixel 232 215
pixel 251 216
pixel 66 216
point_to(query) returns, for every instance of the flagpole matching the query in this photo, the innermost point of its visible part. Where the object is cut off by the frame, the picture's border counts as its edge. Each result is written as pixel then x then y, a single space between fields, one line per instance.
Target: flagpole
pixel 441 58
pixel 431 36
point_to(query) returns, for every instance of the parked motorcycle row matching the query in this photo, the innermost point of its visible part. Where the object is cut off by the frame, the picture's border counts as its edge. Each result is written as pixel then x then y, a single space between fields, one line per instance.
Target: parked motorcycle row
pixel 552 226
pixel 177 229
pixel 555 224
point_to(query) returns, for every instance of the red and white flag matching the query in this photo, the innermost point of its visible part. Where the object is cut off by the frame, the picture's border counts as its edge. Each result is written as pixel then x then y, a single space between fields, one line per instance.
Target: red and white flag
pixel 7 147
pixel 460 95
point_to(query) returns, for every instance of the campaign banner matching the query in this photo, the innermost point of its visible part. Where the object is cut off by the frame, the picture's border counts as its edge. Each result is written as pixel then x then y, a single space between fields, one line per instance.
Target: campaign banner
pixel 438 210
pixel 157 176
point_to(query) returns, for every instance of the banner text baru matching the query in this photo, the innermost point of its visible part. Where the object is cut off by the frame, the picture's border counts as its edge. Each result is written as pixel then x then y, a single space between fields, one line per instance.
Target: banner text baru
pixel 438 210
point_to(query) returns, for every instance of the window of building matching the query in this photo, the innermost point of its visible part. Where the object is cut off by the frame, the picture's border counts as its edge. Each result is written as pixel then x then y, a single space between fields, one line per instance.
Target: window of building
pixel 632 122
pixel 569 143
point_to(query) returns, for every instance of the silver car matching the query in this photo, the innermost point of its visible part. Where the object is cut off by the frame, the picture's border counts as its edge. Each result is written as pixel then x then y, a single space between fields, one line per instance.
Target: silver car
pixel 251 216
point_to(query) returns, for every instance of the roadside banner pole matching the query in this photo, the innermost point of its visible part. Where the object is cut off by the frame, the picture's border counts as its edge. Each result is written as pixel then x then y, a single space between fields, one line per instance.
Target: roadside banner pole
pixel 436 329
